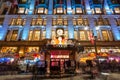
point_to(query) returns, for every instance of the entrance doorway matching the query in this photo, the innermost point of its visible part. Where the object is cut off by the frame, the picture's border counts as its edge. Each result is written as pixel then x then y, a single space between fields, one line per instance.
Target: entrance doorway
pixel 57 60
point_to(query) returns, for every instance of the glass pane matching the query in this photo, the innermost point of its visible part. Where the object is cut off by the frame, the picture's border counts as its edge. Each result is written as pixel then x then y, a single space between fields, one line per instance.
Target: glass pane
pixel 82 35
pixel 31 49
pixel 30 35
pixel 33 22
pixel 36 36
pixel 117 10
pixel 19 22
pixel 40 10
pixel 78 10
pixel 14 35
pixel 39 22
pixel 9 50
pixel 105 35
pixel 97 10
pixel 75 35
pixel 59 10
pixel 8 35
pixel 43 34
pixel 21 10
pixel 13 22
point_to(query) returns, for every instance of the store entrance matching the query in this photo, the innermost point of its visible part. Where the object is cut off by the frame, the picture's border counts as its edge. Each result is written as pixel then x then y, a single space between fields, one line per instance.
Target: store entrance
pixel 58 65
pixel 57 61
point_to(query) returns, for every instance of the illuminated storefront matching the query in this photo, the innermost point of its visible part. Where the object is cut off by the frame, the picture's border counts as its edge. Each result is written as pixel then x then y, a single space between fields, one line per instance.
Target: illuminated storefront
pixel 62 27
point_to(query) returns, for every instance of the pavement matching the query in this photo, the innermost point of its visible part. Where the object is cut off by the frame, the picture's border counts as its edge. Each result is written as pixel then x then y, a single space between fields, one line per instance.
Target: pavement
pixel 110 76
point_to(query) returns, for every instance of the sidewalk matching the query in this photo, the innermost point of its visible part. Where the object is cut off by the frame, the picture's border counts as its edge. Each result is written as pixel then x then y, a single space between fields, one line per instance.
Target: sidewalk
pixel 112 76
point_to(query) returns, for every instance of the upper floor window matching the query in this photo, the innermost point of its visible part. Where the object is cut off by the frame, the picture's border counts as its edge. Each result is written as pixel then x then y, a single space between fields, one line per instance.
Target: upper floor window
pixel 115 1
pixel 1 21
pixel 12 35
pixel 22 1
pixel 38 22
pixel 41 11
pixel 17 22
pixel 80 21
pixel 100 21
pixel 60 21
pixel 97 10
pixel 59 10
pixel 34 35
pixel 117 10
pixel 22 10
pixel 79 10
pixel 117 21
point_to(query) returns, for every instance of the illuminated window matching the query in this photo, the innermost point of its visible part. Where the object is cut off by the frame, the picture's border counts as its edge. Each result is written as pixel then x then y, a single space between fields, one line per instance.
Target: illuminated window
pixel 24 21
pixel 30 35
pixel 86 22
pixel 33 22
pixel 38 22
pixel 31 50
pixel 14 35
pixel 100 21
pixel 17 21
pixel 13 22
pixel 89 34
pixel 9 50
pixel 8 36
pixel 117 21
pixel 59 10
pixel 98 10
pixel 21 10
pixel 80 21
pixel 117 10
pixel 36 35
pixel 105 35
pixel 106 21
pixel 53 34
pixel 79 10
pixel 1 21
pixel 74 22
pixel 98 35
pixel 75 35
pixel 60 21
pixel 43 34
pixel 66 34
pixel 82 35
pixel 40 10
pixel 24 1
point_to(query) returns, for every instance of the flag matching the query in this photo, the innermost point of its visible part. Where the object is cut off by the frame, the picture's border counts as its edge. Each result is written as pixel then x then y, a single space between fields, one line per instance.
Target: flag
pixel 91 38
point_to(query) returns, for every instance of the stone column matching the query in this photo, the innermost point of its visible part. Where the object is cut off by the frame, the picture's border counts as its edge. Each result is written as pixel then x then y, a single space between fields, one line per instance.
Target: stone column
pixel 49 27
pixel 87 6
pixel 70 27
pixel 69 10
pixel 32 7
pixel 4 27
pixel 115 31
pixel 26 28
pixel 50 8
